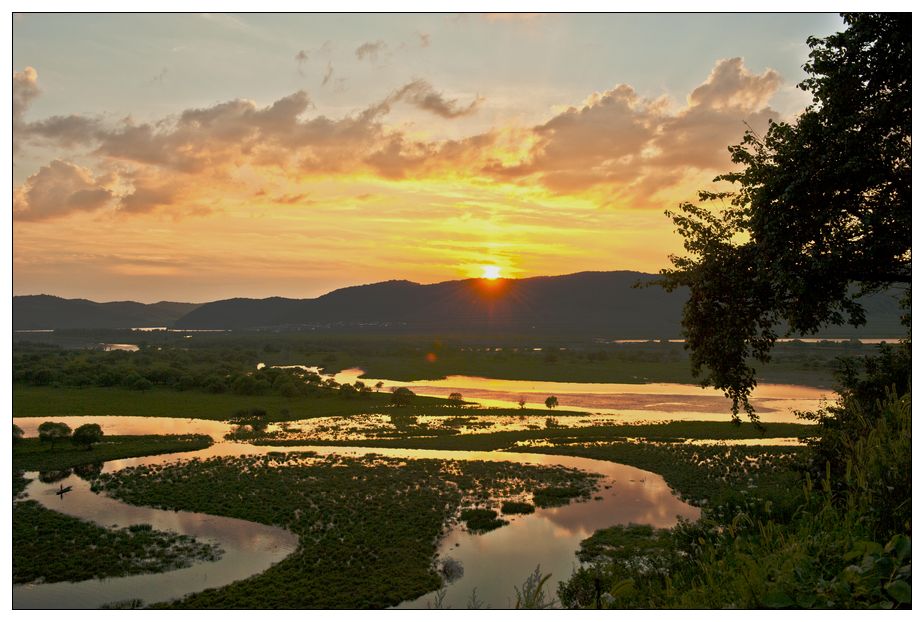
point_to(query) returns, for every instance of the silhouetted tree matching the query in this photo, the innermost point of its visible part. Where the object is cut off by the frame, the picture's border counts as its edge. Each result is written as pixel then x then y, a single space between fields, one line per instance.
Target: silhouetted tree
pixel 821 214
pixel 401 396
pixel 52 432
pixel 551 402
pixel 86 435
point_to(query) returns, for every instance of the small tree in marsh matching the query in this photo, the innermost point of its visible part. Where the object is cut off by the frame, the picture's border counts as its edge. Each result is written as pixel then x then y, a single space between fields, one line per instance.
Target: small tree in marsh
pixel 551 402
pixel 86 435
pixel 52 432
pixel 401 396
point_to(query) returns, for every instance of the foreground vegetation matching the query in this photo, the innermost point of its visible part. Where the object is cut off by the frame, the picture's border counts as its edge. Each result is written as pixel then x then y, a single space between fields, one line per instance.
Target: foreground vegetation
pixel 368 526
pixel 833 550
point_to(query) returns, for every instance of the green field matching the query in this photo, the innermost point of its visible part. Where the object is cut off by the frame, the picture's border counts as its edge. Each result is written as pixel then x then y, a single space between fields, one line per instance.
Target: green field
pixel 30 454
pixel 30 401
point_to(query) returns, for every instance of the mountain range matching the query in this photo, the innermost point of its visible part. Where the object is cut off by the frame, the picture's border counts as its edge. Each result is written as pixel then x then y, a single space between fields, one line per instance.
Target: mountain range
pixel 604 303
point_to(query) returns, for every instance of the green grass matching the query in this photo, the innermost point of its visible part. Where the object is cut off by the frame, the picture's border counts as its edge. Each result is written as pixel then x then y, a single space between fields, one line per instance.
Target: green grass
pixel 30 454
pixel 30 401
pixel 625 363
pixel 52 547
pixel 368 526
pixel 674 432
pixel 517 507
pixel 708 475
pixel 481 520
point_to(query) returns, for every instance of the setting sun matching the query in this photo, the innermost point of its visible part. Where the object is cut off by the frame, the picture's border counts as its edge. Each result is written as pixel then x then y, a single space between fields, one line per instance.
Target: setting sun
pixel 490 272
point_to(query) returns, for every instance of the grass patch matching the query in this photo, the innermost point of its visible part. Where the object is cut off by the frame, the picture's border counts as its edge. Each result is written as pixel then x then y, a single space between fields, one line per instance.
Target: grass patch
pixel 36 401
pixel 481 520
pixel 517 507
pixel 51 547
pixel 368 526
pixel 417 437
pixel 30 454
pixel 555 496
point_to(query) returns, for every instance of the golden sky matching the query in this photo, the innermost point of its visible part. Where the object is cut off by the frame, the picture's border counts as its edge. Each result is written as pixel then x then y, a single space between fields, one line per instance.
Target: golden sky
pixel 198 157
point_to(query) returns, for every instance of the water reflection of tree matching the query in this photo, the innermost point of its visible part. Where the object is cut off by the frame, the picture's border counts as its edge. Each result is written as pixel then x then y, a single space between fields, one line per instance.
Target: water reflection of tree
pixel 50 477
pixel 88 472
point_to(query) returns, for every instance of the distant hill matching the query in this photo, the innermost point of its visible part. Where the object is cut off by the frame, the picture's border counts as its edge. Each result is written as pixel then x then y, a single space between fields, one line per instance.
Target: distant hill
pixel 45 312
pixel 602 303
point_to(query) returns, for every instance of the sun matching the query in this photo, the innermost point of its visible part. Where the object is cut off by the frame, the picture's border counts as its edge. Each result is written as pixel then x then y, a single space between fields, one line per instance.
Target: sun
pixel 490 272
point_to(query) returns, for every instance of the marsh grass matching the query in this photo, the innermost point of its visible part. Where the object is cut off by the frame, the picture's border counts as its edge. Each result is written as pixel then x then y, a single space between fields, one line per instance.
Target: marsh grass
pixel 368 526
pixel 50 547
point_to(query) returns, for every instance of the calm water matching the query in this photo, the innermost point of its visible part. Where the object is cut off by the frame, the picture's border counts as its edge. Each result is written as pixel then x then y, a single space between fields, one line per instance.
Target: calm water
pixel 113 425
pixel 621 403
pixel 493 563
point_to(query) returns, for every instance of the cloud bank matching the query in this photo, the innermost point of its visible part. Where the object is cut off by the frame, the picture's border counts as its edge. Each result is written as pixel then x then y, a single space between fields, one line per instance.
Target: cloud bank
pixel 616 145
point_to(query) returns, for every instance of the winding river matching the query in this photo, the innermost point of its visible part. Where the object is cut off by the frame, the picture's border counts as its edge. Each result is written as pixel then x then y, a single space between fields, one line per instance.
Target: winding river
pixel 493 563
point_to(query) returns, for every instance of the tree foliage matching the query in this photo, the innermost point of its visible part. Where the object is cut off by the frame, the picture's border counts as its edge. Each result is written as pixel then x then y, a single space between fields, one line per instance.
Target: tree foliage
pixel 401 396
pixel 52 432
pixel 87 434
pixel 820 214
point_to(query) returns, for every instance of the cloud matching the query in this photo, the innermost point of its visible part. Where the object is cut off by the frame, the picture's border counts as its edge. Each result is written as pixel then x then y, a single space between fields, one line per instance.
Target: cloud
pixel 300 59
pixel 57 189
pixel 421 94
pixel 424 39
pixel 633 145
pixel 25 89
pixel 371 50
pixel 731 86
pixel 328 74
pixel 615 147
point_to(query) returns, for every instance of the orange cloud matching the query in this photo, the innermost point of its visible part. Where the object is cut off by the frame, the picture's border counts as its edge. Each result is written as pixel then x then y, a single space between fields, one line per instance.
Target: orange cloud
pixel 616 146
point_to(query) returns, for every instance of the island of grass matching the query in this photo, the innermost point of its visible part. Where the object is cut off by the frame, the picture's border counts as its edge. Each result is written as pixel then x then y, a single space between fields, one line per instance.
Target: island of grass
pixel 368 526
pixel 49 547
pixel 481 520
pixel 517 507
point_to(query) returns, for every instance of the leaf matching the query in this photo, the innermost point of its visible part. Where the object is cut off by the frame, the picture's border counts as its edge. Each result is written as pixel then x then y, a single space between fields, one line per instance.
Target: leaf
pixel 900 591
pixel 900 547
pixel 778 600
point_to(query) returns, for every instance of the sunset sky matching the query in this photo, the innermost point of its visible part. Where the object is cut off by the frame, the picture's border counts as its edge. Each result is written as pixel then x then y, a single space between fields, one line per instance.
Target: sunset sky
pixel 196 157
